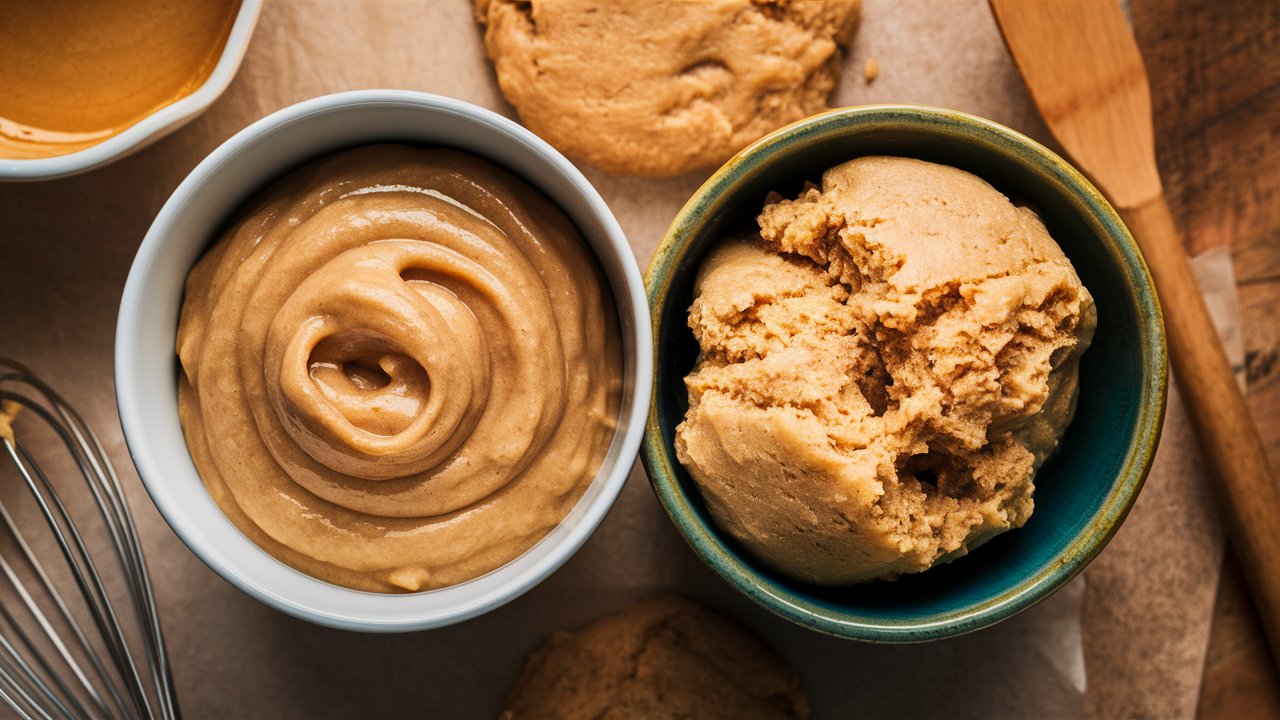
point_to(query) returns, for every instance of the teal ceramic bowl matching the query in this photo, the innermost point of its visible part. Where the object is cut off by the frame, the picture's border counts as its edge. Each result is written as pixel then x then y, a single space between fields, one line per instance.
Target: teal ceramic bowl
pixel 1082 494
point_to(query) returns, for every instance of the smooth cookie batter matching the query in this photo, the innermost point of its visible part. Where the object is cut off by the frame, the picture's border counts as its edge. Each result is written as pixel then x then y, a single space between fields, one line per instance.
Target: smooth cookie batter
pixel 882 371
pixel 400 368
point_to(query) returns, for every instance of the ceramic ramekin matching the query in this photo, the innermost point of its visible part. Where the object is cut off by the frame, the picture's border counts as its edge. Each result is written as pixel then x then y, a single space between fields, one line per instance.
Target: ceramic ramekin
pixel 1082 494
pixel 154 126
pixel 146 364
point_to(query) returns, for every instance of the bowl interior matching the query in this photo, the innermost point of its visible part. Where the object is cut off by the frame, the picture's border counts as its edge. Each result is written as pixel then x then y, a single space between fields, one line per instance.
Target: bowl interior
pixel 147 367
pixel 1081 494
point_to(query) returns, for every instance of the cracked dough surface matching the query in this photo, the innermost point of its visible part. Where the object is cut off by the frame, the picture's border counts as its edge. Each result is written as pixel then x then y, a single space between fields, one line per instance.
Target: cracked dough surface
pixel 882 371
pixel 662 88
pixel 661 658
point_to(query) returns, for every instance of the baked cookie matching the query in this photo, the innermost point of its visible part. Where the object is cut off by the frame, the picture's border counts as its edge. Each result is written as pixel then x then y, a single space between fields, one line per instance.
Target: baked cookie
pixel 662 88
pixel 663 658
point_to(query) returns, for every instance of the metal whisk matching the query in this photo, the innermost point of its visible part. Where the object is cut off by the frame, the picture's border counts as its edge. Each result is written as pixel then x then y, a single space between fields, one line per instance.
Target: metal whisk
pixel 52 663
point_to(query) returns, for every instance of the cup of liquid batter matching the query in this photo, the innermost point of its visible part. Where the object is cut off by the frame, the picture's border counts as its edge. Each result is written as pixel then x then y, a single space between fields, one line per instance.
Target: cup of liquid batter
pixel 383 360
pixel 84 83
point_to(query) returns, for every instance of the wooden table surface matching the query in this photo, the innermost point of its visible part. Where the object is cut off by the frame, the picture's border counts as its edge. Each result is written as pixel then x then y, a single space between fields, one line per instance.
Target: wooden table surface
pixel 1215 84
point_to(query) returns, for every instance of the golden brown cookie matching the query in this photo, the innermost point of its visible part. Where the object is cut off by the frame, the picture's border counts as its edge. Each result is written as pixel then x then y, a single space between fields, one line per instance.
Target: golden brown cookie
pixel 662 88
pixel 662 658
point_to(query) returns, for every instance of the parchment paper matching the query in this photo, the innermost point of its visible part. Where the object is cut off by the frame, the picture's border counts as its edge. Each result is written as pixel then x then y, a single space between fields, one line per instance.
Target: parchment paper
pixel 1151 591
pixel 65 248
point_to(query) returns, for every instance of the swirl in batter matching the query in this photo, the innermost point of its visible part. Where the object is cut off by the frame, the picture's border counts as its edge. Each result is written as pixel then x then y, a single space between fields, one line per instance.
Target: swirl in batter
pixel 401 368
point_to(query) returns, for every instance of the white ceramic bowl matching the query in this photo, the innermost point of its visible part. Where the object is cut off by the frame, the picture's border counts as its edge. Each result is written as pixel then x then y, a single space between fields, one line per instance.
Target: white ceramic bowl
pixel 154 126
pixel 147 367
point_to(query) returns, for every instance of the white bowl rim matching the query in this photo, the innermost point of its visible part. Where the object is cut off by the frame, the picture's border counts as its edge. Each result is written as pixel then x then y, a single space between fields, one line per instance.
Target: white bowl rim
pixel 384 612
pixel 154 126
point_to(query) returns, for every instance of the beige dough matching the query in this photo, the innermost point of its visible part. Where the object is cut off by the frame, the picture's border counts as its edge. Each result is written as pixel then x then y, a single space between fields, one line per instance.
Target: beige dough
pixel 662 88
pixel 658 659
pixel 883 370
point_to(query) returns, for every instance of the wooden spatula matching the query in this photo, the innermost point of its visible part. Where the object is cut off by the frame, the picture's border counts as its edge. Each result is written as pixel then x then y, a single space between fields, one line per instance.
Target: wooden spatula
pixel 1082 65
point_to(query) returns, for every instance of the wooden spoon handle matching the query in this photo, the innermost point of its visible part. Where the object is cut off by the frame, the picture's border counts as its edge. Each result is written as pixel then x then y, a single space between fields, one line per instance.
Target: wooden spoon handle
pixel 1248 489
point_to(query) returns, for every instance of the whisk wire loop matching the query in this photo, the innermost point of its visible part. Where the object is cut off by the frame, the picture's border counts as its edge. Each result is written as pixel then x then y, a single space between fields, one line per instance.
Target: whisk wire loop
pixel 40 684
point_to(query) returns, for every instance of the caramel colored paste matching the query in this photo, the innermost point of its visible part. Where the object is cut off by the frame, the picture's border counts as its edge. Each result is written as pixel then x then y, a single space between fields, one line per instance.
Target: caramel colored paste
pixel 401 368
pixel 76 72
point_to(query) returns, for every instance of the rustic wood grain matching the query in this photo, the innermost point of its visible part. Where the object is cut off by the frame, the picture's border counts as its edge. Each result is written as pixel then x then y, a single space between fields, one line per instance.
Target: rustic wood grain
pixel 1215 82
pixel 1238 673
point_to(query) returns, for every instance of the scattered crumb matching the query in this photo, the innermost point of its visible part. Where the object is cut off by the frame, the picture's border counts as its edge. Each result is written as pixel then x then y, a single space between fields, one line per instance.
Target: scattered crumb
pixel 871 71
pixel 8 411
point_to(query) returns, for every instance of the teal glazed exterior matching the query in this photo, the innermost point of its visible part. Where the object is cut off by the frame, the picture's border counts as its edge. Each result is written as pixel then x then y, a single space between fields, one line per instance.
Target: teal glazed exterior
pixel 1082 494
